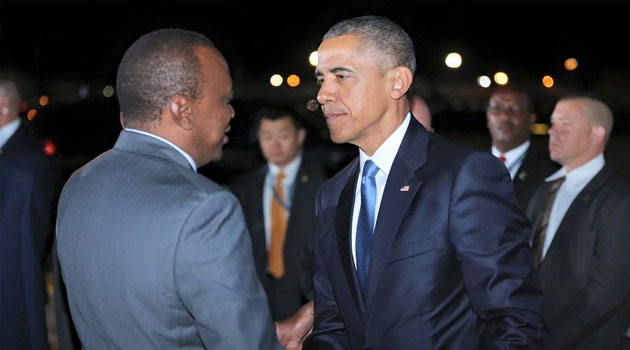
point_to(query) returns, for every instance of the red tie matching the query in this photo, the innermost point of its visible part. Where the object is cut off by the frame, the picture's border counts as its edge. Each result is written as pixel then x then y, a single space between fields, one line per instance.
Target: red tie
pixel 502 159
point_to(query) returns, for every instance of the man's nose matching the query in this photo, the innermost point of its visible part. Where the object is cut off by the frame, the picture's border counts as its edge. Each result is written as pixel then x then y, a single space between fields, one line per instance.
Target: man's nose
pixel 325 94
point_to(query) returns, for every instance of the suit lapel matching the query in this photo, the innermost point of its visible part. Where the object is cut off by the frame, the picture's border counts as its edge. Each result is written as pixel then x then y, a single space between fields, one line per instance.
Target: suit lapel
pixel 576 210
pixel 400 190
pixel 258 235
pixel 343 218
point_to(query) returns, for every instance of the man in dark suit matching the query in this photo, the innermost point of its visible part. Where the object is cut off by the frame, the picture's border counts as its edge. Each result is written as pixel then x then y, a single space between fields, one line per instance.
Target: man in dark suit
pixel 510 115
pixel 18 144
pixel 420 242
pixel 281 138
pixel 582 233
pixel 21 282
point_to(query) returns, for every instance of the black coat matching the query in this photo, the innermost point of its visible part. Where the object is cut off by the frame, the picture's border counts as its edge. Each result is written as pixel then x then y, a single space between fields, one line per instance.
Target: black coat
pixel 289 293
pixel 585 273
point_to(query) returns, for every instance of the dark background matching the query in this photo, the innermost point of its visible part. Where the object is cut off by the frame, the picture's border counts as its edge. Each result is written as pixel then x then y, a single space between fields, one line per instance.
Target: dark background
pixel 60 48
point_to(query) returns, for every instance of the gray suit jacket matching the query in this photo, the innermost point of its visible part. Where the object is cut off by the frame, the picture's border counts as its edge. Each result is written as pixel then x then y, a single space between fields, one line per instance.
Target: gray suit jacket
pixel 156 256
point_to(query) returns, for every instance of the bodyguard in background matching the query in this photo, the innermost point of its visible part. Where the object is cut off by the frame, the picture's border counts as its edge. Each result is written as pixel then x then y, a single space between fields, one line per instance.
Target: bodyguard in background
pixel 581 236
pixel 510 115
pixel 278 201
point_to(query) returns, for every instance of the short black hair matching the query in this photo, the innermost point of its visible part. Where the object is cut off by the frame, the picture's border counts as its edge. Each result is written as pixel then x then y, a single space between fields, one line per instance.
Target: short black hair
pixel 529 103
pixel 275 113
pixel 158 66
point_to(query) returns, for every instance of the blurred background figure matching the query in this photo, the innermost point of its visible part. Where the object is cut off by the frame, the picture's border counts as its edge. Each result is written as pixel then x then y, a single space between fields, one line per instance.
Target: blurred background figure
pixel 420 110
pixel 278 200
pixel 25 200
pixel 19 145
pixel 581 232
pixel 510 115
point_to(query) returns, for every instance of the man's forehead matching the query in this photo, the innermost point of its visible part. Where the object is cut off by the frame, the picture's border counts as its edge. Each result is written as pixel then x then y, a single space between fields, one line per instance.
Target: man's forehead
pixel 507 96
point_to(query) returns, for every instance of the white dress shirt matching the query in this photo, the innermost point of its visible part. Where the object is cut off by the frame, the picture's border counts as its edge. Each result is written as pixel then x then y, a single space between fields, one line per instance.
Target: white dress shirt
pixel 513 158
pixel 574 183
pixel 190 160
pixel 383 158
pixel 290 173
pixel 8 130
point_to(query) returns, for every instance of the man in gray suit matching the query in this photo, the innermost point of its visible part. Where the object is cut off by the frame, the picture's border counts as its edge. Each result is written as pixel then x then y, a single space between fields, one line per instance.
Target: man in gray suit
pixel 154 255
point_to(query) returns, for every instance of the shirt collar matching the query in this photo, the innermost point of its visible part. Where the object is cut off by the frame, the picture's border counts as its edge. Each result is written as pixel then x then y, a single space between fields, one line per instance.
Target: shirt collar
pixel 186 155
pixel 512 155
pixel 8 130
pixel 585 171
pixel 290 170
pixel 384 156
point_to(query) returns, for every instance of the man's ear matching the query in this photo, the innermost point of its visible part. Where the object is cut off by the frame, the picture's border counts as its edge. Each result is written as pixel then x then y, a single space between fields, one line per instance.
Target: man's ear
pixel 401 81
pixel 599 133
pixel 180 108
pixel 301 136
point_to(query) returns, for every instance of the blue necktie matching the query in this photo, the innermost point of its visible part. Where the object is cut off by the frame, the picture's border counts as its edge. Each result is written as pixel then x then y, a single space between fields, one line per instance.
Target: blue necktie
pixel 365 224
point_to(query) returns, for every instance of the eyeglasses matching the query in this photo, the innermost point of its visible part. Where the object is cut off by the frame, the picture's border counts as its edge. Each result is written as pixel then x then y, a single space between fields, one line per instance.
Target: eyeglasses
pixel 499 109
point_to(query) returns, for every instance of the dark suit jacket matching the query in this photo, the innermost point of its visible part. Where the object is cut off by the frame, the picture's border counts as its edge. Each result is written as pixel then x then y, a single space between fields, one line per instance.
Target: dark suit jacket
pixel 451 266
pixel 586 272
pixel 25 150
pixel 289 293
pixel 531 174
pixel 21 282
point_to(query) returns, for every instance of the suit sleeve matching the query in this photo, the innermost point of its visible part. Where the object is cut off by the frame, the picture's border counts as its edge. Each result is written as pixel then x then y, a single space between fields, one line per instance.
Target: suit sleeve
pixel 490 235
pixel 215 277
pixel 329 332
pixel 608 284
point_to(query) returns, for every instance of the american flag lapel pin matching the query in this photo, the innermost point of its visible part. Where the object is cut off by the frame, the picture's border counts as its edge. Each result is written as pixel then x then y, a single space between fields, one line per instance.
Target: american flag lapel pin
pixel 404 188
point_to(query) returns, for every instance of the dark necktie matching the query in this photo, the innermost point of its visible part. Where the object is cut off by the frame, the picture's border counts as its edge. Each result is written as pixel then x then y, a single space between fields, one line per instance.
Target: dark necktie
pixel 502 159
pixel 543 221
pixel 365 224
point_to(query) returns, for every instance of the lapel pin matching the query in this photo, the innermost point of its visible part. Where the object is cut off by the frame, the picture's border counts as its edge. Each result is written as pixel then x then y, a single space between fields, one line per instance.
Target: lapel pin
pixel 304 178
pixel 522 175
pixel 404 188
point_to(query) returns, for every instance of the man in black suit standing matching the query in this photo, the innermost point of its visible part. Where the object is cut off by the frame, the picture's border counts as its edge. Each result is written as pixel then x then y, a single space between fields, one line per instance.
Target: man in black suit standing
pixel 21 147
pixel 510 114
pixel 24 220
pixel 278 200
pixel 582 232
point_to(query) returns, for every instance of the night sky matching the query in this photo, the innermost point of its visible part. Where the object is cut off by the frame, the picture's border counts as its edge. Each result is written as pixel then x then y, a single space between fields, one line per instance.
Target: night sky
pixel 58 48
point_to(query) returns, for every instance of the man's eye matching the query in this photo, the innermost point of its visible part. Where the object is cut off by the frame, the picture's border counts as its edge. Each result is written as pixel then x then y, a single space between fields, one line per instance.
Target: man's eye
pixel 342 77
pixel 320 81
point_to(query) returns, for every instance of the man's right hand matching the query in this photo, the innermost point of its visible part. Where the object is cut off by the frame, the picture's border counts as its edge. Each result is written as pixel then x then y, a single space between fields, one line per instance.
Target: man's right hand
pixel 292 331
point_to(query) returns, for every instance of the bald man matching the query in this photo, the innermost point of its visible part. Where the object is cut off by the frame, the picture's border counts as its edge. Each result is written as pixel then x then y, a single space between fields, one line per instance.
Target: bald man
pixel 581 232
pixel 420 110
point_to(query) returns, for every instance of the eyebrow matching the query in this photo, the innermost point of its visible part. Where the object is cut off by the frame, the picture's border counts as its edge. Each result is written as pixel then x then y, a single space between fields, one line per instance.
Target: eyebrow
pixel 318 73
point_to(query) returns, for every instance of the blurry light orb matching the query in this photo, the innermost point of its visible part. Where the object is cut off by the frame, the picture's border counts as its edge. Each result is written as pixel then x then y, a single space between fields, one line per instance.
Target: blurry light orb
pixel 484 81
pixel 108 91
pixel 539 129
pixel 453 60
pixel 276 80
pixel 43 101
pixel 571 64
pixel 312 58
pixel 49 148
pixel 501 78
pixel 293 80
pixel 547 81
pixel 31 114
pixel 312 105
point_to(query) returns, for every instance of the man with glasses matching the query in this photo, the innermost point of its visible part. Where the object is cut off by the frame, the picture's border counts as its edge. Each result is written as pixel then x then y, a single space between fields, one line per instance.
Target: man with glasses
pixel 510 114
